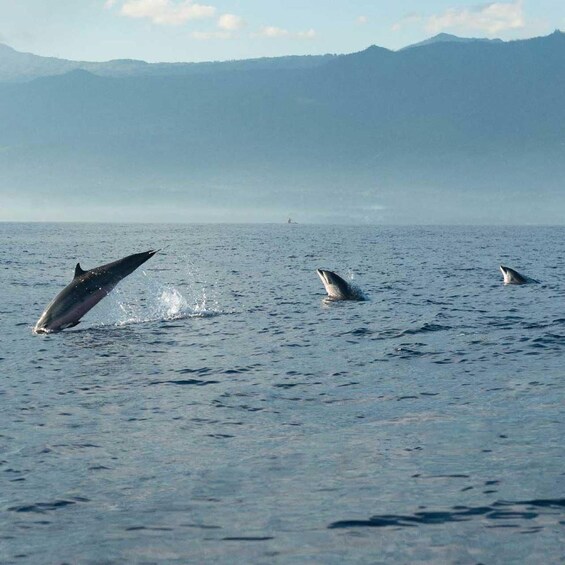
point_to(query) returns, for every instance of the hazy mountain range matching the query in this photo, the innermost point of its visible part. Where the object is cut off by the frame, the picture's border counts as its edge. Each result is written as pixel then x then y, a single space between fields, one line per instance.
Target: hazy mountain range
pixel 451 130
pixel 19 67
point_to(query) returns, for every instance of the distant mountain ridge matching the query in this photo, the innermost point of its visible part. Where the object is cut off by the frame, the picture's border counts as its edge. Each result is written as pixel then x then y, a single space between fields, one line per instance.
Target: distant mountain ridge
pixel 16 66
pixel 451 132
pixel 449 38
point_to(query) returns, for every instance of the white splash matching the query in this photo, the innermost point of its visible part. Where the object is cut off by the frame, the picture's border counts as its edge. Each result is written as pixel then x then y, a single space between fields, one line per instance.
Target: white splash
pixel 153 301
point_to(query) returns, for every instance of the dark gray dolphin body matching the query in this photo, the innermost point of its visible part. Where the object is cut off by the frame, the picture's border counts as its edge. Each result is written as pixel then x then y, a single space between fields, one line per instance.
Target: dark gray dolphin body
pixel 514 277
pixel 86 290
pixel 337 288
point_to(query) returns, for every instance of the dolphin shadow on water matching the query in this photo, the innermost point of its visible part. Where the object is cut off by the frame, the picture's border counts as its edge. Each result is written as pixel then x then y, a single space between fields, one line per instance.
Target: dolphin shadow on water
pixel 337 288
pixel 514 277
pixel 86 290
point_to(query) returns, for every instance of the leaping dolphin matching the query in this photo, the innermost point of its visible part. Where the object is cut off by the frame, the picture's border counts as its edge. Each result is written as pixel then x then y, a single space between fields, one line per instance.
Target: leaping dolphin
pixel 514 277
pixel 337 288
pixel 86 290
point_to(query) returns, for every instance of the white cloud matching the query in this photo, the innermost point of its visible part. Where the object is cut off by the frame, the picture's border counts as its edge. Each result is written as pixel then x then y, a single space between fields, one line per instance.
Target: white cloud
pixel 272 31
pixel 491 18
pixel 208 35
pixel 277 32
pixel 109 4
pixel 308 34
pixel 230 22
pixel 406 20
pixel 167 12
pixel 361 20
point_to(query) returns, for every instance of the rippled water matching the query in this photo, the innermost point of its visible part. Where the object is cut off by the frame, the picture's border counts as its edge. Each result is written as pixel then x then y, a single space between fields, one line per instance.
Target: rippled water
pixel 215 408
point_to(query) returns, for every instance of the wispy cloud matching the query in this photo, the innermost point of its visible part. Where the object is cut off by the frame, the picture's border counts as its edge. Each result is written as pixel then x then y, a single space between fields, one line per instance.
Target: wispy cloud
pixel 308 34
pixel 272 31
pixel 277 32
pixel 109 4
pixel 167 12
pixel 490 18
pixel 208 35
pixel 228 24
pixel 231 22
pixel 362 20
pixel 407 20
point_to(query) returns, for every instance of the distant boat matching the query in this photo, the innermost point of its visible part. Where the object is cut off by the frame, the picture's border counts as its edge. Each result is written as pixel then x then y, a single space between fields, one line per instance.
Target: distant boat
pixel 290 221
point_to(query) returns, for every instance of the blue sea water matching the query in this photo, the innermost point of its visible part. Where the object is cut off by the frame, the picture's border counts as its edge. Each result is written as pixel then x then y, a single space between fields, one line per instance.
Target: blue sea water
pixel 216 409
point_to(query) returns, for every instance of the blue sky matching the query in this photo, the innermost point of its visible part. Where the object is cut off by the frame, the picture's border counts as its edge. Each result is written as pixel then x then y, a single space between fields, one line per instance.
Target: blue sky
pixel 201 30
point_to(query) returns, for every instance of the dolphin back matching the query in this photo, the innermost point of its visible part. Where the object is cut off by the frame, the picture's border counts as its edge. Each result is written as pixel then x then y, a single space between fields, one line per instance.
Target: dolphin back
pixel 121 268
pixel 338 288
pixel 512 276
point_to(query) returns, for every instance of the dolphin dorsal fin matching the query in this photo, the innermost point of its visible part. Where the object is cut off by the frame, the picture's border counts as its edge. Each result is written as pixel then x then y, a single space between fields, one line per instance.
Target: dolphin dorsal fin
pixel 79 271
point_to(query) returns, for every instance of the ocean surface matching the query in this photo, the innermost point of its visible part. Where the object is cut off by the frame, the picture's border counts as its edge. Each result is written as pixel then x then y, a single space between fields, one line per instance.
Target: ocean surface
pixel 216 409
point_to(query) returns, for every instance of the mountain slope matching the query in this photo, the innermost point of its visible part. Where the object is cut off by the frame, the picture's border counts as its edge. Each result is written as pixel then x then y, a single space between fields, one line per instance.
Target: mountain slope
pixel 19 67
pixel 453 132
pixel 449 38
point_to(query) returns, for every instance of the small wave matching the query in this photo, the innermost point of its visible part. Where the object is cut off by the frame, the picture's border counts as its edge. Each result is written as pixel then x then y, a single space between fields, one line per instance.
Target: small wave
pixel 358 332
pixel 42 507
pixel 425 328
pixel 549 339
pixel 190 382
pixel 248 538
pixel 500 510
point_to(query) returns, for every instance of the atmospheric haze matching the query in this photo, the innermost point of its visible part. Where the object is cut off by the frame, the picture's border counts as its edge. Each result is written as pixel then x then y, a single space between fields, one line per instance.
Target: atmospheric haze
pixel 448 131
